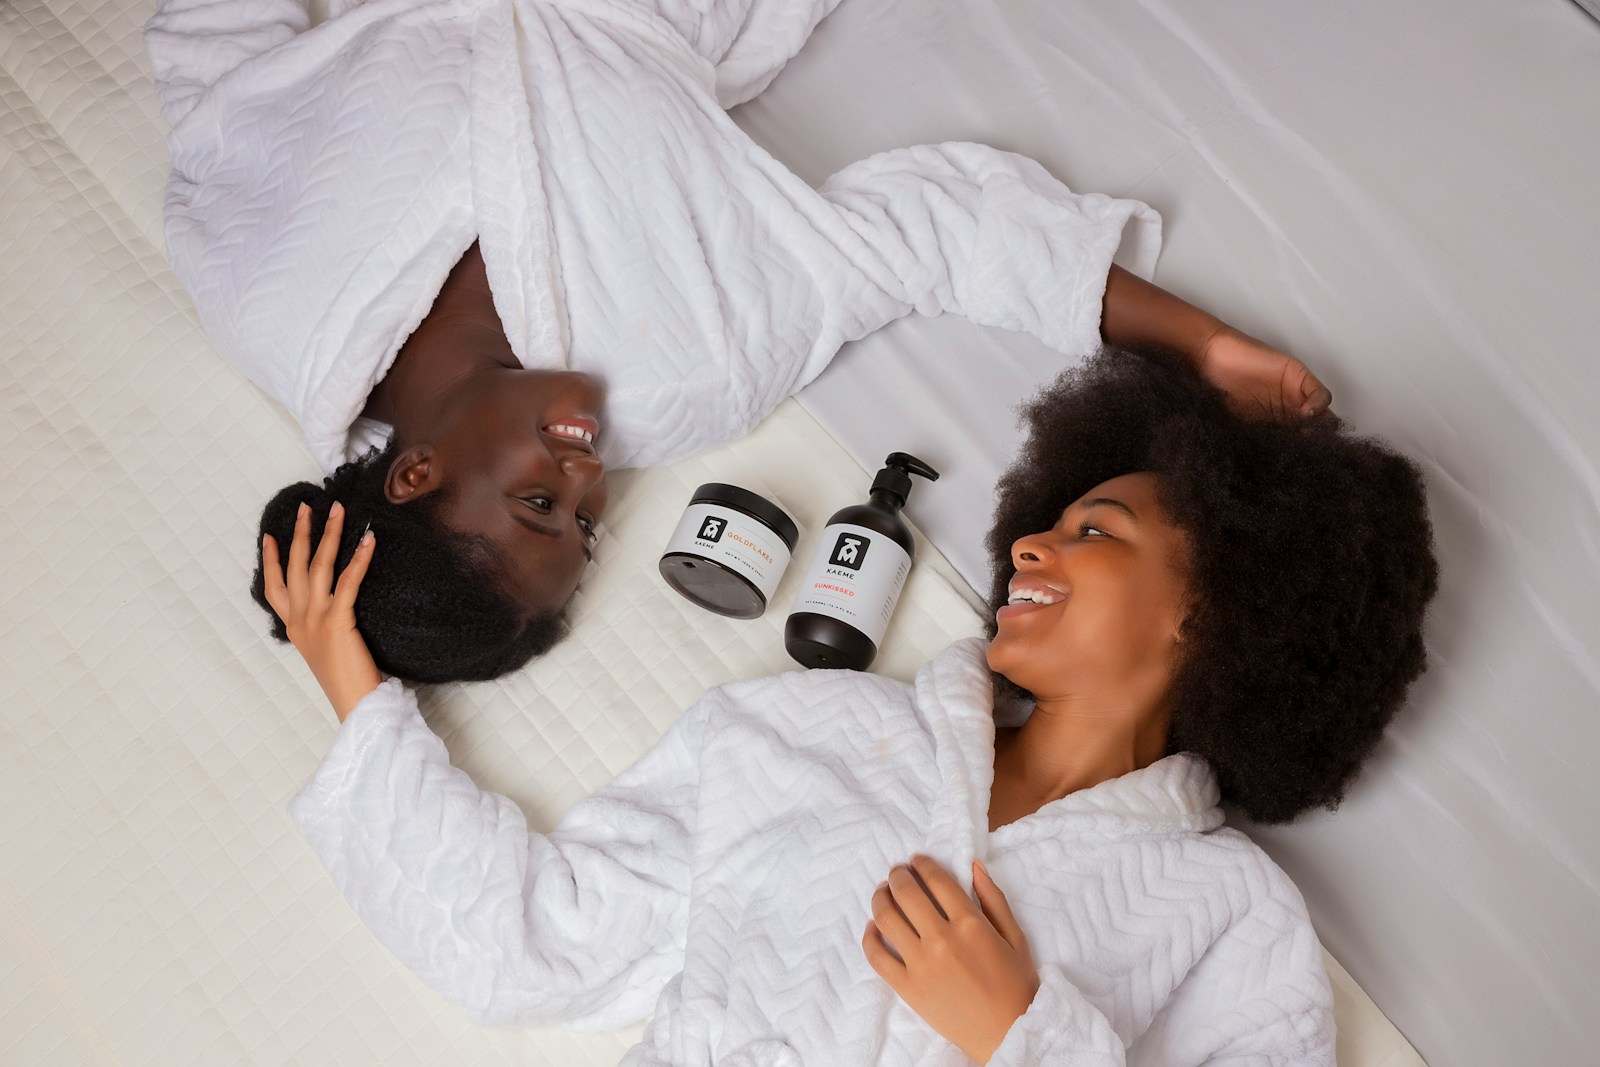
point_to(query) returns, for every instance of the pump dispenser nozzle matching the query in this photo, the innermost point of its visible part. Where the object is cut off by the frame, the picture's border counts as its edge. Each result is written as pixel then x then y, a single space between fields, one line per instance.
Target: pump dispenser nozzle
pixel 894 480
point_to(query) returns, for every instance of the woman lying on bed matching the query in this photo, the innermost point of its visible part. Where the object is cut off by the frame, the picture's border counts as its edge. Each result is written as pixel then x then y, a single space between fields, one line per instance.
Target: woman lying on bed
pixel 1201 608
pixel 415 223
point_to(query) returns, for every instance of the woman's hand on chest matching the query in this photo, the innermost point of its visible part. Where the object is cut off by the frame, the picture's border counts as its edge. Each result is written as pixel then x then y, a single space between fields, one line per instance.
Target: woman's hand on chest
pixel 963 966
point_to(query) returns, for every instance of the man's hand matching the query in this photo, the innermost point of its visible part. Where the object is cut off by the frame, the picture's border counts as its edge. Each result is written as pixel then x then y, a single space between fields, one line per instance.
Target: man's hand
pixel 1261 382
pixel 964 967
pixel 319 615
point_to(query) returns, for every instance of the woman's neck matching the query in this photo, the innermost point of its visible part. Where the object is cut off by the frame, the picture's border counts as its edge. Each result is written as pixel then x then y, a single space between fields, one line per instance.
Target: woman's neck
pixel 461 336
pixel 1067 745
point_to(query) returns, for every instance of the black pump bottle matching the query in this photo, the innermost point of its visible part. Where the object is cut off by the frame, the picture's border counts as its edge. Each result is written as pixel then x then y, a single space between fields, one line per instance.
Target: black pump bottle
pixel 850 589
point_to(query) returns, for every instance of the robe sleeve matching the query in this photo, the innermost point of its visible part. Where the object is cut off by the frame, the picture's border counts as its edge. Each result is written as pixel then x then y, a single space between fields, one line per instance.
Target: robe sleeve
pixel 974 231
pixel 583 927
pixel 193 43
pixel 747 41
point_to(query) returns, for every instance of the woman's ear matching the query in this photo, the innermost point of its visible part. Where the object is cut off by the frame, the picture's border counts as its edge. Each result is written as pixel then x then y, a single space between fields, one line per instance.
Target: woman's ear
pixel 1179 621
pixel 413 474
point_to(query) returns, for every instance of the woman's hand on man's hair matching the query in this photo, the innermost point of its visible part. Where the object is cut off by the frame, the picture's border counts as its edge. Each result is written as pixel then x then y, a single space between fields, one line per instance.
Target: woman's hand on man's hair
pixel 319 613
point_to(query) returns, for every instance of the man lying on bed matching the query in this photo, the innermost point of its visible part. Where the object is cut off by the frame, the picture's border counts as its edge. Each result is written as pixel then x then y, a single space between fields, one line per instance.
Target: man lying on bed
pixel 1199 606
pixel 500 241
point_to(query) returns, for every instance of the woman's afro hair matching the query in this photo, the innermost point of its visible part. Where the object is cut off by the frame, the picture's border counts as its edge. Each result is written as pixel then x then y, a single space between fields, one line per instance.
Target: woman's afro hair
pixel 431 607
pixel 1310 567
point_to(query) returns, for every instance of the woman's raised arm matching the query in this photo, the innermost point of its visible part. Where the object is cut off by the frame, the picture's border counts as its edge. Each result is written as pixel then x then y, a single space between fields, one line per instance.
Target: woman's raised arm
pixel 583 926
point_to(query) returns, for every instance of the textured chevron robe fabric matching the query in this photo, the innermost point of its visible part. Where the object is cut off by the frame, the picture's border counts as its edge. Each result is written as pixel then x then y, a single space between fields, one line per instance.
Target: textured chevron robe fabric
pixel 325 180
pixel 722 883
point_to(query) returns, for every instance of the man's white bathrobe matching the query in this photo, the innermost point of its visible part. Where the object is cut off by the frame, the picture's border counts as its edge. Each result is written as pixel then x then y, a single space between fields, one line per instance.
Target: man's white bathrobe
pixel 325 181
pixel 724 881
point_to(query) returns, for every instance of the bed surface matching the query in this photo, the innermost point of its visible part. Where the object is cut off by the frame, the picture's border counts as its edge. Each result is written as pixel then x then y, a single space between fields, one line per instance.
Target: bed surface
pixel 156 906
pixel 1402 195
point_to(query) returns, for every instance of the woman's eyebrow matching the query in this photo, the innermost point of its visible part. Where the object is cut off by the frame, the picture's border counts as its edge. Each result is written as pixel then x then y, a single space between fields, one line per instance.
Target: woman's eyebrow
pixel 1106 501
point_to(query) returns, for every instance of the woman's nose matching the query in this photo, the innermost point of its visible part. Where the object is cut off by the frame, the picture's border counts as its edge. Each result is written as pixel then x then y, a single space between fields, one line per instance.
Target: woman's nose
pixel 1030 549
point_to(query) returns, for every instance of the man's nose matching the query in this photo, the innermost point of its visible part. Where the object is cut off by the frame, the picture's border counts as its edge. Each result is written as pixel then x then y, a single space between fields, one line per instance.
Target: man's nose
pixel 584 468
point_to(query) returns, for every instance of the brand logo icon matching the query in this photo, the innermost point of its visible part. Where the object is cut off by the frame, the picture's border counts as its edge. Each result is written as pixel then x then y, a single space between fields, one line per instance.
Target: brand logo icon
pixel 849 551
pixel 711 528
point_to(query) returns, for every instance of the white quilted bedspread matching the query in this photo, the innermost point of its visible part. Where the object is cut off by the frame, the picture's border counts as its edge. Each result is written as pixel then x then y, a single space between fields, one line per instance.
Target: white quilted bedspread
pixel 156 906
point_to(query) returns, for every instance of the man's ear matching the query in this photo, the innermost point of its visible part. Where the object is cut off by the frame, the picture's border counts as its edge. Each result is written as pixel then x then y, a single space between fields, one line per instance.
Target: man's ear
pixel 412 475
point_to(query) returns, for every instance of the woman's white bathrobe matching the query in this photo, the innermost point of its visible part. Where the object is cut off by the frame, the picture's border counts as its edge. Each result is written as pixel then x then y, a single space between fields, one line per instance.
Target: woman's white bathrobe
pixel 724 881
pixel 325 181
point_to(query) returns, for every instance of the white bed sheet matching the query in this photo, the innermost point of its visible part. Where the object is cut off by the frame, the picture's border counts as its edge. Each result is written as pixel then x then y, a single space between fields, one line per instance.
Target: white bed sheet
pixel 1402 194
pixel 155 905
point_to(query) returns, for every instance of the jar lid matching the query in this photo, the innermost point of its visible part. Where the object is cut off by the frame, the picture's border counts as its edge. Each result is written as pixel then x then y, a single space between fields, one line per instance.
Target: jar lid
pixel 713 586
pixel 753 504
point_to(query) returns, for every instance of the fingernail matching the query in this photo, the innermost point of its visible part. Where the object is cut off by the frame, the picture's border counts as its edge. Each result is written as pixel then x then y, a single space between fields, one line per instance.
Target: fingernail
pixel 367 536
pixel 305 509
pixel 336 507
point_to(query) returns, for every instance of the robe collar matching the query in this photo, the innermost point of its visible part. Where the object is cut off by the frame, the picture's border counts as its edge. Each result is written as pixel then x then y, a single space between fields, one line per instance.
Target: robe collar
pixel 955 696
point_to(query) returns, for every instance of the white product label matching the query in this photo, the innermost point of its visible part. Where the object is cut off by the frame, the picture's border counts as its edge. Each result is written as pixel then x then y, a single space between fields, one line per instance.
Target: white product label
pixel 856 578
pixel 730 537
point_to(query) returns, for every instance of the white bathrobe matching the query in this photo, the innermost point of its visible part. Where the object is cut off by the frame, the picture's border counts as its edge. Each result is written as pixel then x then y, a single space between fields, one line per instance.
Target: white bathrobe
pixel 724 881
pixel 325 181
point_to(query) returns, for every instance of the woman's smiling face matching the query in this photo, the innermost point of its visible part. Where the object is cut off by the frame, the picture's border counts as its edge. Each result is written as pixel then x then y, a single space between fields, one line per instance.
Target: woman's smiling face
pixel 1097 600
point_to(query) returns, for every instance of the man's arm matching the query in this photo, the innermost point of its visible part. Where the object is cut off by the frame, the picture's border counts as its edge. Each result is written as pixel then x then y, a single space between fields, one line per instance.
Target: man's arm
pixel 970 230
pixel 1138 314
pixel 1259 379
pixel 192 43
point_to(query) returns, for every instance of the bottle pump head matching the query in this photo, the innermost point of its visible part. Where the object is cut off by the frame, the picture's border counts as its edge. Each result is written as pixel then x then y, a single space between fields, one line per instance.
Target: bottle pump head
pixel 895 477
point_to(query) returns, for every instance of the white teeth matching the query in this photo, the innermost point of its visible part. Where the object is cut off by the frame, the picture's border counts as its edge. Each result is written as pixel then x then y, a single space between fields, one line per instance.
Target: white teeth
pixel 1033 596
pixel 561 429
